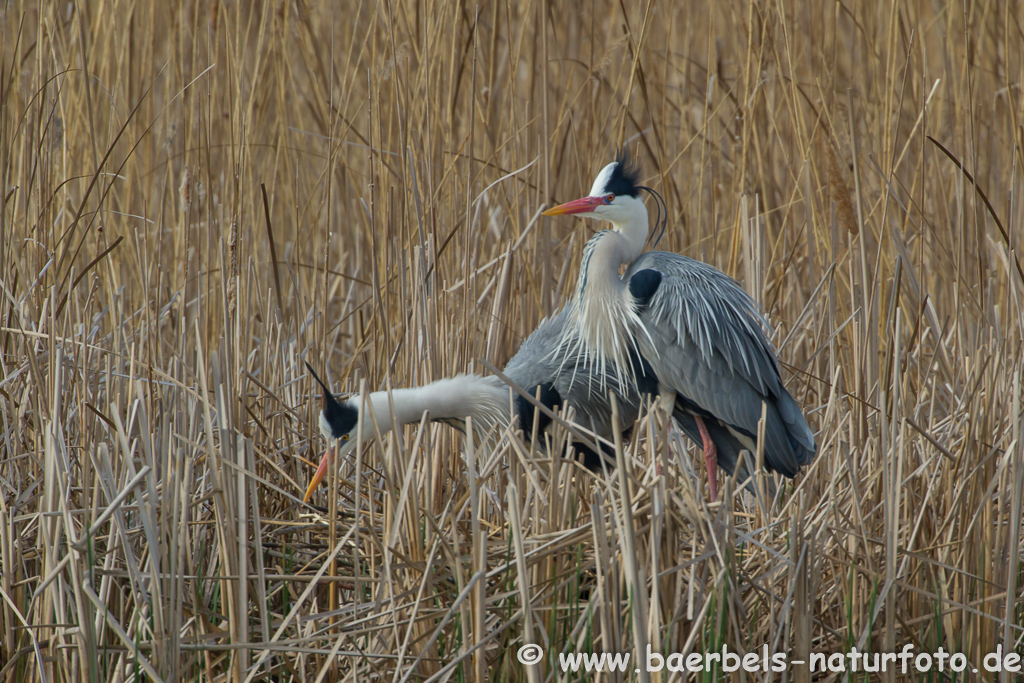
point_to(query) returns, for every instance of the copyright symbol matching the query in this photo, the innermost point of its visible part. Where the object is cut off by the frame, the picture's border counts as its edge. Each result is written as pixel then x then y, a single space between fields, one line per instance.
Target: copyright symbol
pixel 530 654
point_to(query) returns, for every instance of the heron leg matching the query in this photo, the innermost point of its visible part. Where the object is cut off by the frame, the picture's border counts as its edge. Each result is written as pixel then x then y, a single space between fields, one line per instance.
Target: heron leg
pixel 710 456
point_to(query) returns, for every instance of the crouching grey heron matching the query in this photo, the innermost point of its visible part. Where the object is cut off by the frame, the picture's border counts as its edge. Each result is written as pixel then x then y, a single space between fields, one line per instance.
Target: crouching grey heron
pixel 700 333
pixel 486 400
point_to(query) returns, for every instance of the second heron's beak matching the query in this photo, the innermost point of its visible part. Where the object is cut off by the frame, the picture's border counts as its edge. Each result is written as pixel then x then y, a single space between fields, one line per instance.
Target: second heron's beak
pixel 581 205
pixel 321 472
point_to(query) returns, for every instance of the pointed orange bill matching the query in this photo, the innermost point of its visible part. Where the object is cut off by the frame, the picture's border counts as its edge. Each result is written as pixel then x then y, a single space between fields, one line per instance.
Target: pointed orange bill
pixel 321 472
pixel 581 205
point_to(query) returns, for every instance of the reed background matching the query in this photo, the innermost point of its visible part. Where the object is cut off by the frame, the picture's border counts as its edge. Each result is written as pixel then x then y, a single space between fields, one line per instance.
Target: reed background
pixel 198 196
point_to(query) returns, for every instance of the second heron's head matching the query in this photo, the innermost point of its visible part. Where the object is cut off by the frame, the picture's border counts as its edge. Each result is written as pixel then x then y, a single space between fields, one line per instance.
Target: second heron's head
pixel 338 424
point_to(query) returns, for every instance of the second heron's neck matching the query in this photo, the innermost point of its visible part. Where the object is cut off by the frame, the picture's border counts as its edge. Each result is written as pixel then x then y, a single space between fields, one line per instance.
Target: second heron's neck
pixel 452 399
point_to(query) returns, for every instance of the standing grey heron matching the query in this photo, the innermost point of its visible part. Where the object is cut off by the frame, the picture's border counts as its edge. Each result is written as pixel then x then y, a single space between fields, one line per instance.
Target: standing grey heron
pixel 701 334
pixel 486 400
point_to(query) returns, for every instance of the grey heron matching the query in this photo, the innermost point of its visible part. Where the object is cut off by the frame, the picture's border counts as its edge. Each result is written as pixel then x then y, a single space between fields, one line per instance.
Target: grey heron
pixel 487 400
pixel 700 332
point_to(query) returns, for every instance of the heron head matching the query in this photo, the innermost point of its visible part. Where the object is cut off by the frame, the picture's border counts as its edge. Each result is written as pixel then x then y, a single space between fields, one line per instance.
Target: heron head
pixel 615 196
pixel 338 423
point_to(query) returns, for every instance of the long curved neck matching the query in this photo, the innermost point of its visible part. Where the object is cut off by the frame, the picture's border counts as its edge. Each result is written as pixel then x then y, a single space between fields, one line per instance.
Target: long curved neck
pixel 631 223
pixel 609 249
pixel 453 398
pixel 602 330
pixel 599 268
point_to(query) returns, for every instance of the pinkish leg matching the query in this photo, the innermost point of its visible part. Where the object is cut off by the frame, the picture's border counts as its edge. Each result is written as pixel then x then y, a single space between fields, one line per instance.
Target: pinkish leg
pixel 710 457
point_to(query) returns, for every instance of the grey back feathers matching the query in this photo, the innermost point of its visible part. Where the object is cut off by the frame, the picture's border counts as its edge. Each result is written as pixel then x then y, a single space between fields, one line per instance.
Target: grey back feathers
pixel 707 342
pixel 702 307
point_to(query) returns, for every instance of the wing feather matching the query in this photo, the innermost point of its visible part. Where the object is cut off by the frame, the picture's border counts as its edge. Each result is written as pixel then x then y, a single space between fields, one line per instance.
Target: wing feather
pixel 534 364
pixel 708 343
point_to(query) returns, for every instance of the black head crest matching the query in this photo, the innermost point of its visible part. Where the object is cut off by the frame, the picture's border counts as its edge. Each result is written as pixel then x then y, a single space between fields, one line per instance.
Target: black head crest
pixel 341 418
pixel 624 177
pixel 624 180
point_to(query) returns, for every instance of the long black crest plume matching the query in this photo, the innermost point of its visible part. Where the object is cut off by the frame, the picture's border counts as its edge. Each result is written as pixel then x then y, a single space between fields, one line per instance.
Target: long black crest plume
pixel 624 182
pixel 662 219
pixel 624 177
pixel 328 396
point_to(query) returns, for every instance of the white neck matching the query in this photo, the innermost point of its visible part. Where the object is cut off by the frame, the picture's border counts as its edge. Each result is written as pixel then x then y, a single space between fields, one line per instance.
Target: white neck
pixel 629 219
pixel 608 250
pixel 604 323
pixel 453 398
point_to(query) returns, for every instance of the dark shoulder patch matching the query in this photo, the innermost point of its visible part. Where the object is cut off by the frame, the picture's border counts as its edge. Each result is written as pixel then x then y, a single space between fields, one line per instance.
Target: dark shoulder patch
pixel 643 286
pixel 549 398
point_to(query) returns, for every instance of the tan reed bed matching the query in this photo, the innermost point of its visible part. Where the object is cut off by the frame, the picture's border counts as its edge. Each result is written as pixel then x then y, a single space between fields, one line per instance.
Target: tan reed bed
pixel 200 196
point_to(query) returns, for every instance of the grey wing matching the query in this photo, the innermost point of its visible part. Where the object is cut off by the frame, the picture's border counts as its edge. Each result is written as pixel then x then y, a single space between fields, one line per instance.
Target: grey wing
pixel 705 340
pixel 576 382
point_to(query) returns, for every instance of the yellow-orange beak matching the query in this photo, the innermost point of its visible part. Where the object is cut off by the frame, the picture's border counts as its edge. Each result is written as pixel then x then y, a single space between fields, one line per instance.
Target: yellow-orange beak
pixel 581 205
pixel 321 472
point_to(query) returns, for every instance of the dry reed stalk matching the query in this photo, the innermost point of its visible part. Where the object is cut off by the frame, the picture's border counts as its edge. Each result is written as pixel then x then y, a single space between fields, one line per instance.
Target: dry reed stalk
pixel 197 202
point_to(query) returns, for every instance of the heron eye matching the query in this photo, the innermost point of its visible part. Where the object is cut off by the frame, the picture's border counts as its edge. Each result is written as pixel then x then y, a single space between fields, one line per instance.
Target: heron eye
pixel 344 437
pixel 610 198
